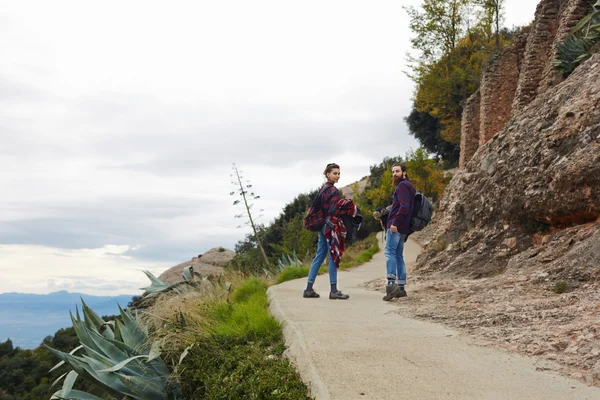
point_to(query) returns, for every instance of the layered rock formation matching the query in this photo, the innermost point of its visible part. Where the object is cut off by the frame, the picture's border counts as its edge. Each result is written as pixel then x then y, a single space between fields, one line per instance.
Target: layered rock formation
pixel 520 73
pixel 513 253
pixel 531 195
pixel 210 263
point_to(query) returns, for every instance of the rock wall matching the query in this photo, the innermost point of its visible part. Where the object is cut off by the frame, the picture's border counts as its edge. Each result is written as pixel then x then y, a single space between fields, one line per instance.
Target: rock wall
pixel 469 130
pixel 537 52
pixel 521 72
pixel 537 178
pixel 570 13
pixel 498 88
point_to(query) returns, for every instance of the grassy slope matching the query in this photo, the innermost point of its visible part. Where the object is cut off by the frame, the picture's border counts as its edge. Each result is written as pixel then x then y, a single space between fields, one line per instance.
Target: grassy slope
pixel 357 254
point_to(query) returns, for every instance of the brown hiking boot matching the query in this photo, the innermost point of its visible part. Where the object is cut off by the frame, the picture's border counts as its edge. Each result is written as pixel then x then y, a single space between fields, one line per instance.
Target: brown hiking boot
pixel 310 294
pixel 392 291
pixel 338 295
pixel 401 292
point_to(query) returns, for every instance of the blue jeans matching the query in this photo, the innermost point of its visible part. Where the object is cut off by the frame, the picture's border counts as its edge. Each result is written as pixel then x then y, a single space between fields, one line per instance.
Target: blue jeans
pixel 394 257
pixel 322 252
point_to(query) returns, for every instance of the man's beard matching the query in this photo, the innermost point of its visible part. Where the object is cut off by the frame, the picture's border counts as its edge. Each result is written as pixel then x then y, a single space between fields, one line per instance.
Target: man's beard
pixel 397 180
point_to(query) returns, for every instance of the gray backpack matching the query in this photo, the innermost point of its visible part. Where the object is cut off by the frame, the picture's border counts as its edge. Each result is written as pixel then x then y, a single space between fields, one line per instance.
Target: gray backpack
pixel 421 212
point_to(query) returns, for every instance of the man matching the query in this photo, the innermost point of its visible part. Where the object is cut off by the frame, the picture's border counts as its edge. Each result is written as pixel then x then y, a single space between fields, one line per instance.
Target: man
pixel 398 229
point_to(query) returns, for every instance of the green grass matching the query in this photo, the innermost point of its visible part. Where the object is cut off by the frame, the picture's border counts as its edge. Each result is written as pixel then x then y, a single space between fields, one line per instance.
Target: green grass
pixel 239 354
pixel 246 318
pixel 357 254
pixel 249 288
pixel 362 258
pixel 291 273
pixel 238 346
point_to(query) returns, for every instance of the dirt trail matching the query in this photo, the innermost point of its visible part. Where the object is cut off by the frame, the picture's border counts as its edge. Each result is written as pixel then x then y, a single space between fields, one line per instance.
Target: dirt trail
pixel 363 349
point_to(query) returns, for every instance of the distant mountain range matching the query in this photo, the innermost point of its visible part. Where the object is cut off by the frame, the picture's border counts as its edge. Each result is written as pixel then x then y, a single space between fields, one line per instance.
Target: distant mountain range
pixel 28 318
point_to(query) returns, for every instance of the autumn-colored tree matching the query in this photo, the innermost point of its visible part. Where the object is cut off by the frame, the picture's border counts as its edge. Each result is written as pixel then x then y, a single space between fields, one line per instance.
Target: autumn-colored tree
pixel 443 86
pixel 453 39
pixel 425 175
pixel 382 194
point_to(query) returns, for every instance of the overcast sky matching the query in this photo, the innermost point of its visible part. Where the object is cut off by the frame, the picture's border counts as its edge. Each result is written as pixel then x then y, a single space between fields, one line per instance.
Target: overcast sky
pixel 119 122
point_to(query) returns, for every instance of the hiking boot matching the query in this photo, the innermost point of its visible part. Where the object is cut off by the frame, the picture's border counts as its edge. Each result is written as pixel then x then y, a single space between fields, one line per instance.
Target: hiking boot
pixel 338 295
pixel 392 291
pixel 401 292
pixel 310 294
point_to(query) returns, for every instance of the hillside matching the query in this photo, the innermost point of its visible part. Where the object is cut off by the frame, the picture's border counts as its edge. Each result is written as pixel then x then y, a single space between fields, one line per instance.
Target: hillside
pixel 210 263
pixel 513 255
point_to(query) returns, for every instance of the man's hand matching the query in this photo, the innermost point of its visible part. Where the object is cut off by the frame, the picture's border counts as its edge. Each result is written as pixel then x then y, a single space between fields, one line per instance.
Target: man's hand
pixel 393 229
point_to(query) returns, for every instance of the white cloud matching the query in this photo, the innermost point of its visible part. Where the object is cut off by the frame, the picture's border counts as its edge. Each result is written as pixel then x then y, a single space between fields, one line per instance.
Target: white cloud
pixel 119 122
pixel 101 271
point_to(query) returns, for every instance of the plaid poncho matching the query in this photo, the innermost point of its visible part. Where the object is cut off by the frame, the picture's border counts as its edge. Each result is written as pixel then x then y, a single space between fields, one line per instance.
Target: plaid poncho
pixel 335 230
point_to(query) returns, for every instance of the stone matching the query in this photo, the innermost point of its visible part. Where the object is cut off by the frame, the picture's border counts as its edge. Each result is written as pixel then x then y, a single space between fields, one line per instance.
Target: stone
pixel 511 242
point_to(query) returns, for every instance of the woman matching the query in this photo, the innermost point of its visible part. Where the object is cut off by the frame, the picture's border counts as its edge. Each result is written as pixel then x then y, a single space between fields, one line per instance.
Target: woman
pixel 330 198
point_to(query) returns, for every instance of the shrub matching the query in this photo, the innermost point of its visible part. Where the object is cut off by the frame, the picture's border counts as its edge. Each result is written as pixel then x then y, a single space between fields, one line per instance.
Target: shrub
pixel 560 287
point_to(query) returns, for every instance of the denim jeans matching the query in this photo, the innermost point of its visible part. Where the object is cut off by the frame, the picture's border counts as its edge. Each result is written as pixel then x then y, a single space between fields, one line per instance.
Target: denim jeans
pixel 394 257
pixel 322 252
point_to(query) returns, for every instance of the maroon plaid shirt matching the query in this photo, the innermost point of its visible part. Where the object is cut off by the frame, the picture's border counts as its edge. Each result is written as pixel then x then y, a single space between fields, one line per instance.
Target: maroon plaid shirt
pixel 402 207
pixel 329 199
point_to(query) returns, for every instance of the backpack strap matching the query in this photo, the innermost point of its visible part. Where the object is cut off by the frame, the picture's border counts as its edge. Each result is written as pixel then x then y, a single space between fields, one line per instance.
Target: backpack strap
pixel 318 197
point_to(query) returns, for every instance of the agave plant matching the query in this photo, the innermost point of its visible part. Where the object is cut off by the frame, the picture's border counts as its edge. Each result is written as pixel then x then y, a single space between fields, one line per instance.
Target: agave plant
pixel 578 45
pixel 286 261
pixel 114 356
pixel 188 275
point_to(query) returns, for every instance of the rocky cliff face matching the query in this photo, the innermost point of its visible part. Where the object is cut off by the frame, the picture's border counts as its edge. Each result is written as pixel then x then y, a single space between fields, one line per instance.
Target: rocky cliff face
pixel 528 190
pixel 513 253
pixel 531 195
pixel 520 73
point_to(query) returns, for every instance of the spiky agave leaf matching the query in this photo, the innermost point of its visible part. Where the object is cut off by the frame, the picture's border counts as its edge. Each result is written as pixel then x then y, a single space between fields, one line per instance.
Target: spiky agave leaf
pixel 157 365
pixel 153 279
pixel 108 348
pixel 68 383
pixel 95 322
pixel 188 273
pixel 122 364
pixel 121 369
pixel 94 368
pixel 76 395
pixel 84 366
pixel 83 334
pixel 147 388
pixel 132 332
pixel 62 362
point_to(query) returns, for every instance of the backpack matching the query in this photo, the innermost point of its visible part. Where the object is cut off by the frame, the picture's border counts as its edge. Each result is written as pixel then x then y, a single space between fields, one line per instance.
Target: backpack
pixel 421 215
pixel 421 212
pixel 352 225
pixel 314 220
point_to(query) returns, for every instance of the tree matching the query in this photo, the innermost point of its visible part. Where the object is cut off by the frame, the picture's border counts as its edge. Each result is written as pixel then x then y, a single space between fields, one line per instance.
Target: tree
pixel 243 192
pixel 445 85
pixel 425 175
pixel 492 18
pixel 426 129
pixel 437 28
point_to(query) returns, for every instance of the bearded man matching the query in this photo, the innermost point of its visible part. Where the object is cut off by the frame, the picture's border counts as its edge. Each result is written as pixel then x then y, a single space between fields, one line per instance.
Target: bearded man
pixel 398 229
